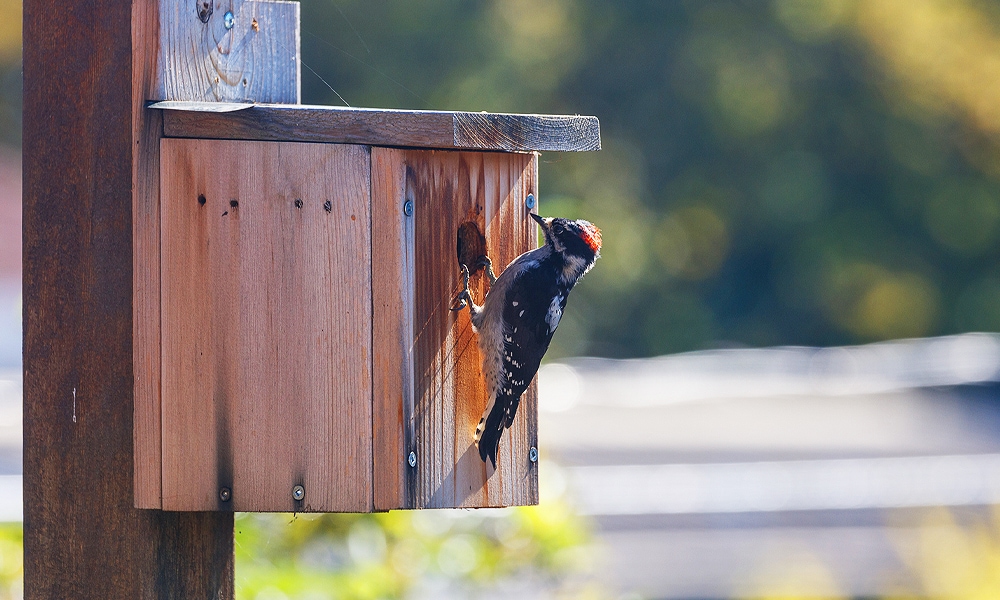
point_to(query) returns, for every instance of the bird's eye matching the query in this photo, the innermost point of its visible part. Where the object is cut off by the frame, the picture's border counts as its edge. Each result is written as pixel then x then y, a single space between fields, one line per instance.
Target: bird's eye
pixel 557 228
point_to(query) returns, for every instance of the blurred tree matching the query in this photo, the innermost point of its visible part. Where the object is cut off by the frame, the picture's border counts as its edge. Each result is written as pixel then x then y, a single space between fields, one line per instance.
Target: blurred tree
pixel 10 73
pixel 797 172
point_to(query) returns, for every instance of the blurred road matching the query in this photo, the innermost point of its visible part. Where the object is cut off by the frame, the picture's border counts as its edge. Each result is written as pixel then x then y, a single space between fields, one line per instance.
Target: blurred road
pixel 742 472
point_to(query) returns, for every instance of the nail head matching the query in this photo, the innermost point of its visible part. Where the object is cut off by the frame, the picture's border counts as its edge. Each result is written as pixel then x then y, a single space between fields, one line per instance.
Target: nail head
pixel 225 494
pixel 408 208
pixel 530 201
pixel 412 459
pixel 533 454
pixel 298 493
pixel 229 19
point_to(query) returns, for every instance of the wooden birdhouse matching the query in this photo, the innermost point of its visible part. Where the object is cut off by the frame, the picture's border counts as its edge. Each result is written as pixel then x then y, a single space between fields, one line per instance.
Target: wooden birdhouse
pixel 294 269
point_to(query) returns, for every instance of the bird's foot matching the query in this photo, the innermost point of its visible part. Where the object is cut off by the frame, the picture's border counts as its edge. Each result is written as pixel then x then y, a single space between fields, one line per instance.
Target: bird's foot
pixel 484 261
pixel 463 298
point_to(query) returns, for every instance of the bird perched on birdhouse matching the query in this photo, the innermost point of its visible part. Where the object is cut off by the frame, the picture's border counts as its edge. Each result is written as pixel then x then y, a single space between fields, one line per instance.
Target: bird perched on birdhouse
pixel 521 311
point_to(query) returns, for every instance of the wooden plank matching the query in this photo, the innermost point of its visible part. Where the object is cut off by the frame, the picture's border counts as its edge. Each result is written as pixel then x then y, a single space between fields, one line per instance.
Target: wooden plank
pixel 392 333
pixel 255 60
pixel 267 325
pixel 147 127
pixel 396 128
pixel 181 57
pixel 82 536
pixel 448 189
pixel 519 132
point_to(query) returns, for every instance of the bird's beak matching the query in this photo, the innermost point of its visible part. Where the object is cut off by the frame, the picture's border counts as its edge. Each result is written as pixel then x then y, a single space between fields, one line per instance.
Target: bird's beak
pixel 542 222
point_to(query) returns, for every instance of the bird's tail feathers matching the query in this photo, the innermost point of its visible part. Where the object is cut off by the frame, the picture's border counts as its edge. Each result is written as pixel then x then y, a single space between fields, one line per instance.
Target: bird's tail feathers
pixel 489 444
pixel 488 434
pixel 508 418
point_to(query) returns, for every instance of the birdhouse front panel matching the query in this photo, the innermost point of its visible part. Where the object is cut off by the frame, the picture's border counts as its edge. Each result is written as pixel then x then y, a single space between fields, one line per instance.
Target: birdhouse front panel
pixel 432 212
pixel 266 326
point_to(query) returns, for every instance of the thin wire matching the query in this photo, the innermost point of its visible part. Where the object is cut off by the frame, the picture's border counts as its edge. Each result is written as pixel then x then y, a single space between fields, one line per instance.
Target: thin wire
pixel 351 25
pixel 313 71
pixel 363 63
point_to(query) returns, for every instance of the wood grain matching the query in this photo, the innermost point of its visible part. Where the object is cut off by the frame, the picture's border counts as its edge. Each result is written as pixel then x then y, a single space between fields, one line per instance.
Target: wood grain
pixel 532 132
pixel 267 325
pixel 147 126
pixel 257 60
pixel 392 334
pixel 396 128
pixel 448 189
pixel 82 536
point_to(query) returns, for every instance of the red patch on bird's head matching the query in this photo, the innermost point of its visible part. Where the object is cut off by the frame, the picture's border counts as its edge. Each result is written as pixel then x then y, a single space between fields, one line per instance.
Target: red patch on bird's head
pixel 591 235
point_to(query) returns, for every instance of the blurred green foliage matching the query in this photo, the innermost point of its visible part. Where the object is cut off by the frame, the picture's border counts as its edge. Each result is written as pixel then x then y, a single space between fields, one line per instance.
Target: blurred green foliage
pixel 11 561
pixel 784 172
pixel 433 553
pixel 10 73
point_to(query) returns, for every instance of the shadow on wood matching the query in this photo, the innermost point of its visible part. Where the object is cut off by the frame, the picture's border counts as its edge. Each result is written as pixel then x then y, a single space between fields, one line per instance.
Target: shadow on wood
pixel 435 412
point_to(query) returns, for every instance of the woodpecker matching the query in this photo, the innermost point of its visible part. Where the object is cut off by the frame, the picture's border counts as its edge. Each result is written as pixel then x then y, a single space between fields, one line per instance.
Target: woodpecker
pixel 521 311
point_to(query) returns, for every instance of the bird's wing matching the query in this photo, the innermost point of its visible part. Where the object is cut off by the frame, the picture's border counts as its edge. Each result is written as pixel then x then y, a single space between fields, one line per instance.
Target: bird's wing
pixel 532 308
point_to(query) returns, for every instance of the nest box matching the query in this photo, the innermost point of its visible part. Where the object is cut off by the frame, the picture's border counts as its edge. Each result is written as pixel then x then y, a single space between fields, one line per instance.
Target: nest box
pixel 294 266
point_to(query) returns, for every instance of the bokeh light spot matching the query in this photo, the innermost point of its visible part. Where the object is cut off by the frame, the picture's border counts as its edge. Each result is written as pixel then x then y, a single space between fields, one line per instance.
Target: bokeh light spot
pixel 964 217
pixel 795 188
pixel 692 242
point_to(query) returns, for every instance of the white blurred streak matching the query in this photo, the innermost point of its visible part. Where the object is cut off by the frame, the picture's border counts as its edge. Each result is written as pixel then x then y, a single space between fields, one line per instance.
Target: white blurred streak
pixel 11 505
pixel 770 372
pixel 559 387
pixel 11 392
pixel 787 486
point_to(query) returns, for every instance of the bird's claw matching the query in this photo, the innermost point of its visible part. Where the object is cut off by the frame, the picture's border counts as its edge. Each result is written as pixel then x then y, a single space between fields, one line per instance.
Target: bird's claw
pixel 463 298
pixel 484 261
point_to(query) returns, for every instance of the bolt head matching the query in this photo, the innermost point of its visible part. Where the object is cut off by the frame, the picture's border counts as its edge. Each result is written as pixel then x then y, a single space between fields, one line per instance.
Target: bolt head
pixel 408 208
pixel 533 454
pixel 298 493
pixel 228 19
pixel 412 459
pixel 530 201
pixel 225 494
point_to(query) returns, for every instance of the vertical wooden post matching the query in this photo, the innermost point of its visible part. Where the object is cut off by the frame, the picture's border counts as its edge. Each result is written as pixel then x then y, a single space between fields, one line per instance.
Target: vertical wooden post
pixel 82 536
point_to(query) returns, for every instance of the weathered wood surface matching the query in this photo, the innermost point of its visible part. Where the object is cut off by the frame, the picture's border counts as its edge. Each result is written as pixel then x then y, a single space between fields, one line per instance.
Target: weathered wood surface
pixel 82 536
pixel 512 133
pixel 397 128
pixel 147 127
pixel 440 352
pixel 256 60
pixel 392 334
pixel 267 325
pixel 184 52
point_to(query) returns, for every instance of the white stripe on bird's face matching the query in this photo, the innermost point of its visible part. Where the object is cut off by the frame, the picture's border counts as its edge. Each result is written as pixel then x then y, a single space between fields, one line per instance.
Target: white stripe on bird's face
pixel 573 268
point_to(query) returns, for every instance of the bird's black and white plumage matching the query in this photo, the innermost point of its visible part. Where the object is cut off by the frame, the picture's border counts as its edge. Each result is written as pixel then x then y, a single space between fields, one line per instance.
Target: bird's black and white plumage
pixel 521 312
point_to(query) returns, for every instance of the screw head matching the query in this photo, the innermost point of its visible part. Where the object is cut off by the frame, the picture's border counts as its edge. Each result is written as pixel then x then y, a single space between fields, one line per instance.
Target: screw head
pixel 533 454
pixel 530 201
pixel 225 494
pixel 229 19
pixel 408 208
pixel 298 492
pixel 412 459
